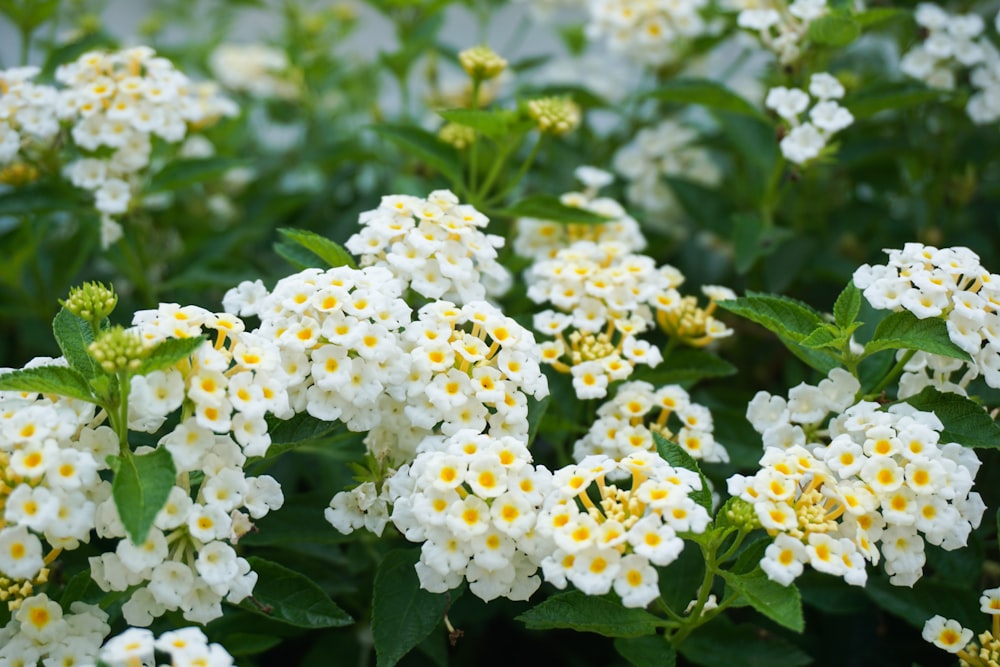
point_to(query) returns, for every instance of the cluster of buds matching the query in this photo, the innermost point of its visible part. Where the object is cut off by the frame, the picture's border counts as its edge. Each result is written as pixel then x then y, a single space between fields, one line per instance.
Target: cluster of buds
pixel 555 115
pixel 482 62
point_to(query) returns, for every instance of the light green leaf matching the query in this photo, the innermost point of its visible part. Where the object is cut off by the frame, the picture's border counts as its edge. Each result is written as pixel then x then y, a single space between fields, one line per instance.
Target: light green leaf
pixel 588 613
pixel 329 251
pixel 184 173
pixel 425 146
pixel 705 92
pixel 649 651
pixel 494 123
pixel 782 604
pixel 965 421
pixel 822 337
pixel 903 330
pixel 785 317
pixel 73 335
pixel 60 380
pixel 870 17
pixel 299 257
pixel 847 306
pixel 834 30
pixel 548 207
pixel 167 353
pixel 403 614
pixel 140 489
pixel 292 598
pixel 676 456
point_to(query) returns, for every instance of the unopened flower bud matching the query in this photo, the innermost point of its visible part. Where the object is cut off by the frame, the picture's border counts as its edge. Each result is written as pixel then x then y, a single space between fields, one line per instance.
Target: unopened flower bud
pixel 742 515
pixel 91 301
pixel 482 62
pixel 459 136
pixel 555 115
pixel 118 350
pixel 18 174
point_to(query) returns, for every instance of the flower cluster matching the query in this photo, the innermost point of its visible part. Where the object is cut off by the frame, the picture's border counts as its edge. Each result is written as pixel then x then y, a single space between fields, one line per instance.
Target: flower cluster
pixel 806 140
pixel 186 647
pixel 542 239
pixel 434 245
pixel 877 484
pixel 28 112
pixel 256 69
pixel 782 26
pixel 648 32
pixel 626 424
pixel 667 150
pixel 952 637
pixel 40 632
pixel 955 43
pixel 949 283
pixel 614 538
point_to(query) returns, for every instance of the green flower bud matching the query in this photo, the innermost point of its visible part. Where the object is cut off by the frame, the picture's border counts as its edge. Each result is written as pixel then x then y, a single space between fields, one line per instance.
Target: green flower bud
pixel 118 350
pixel 482 62
pixel 91 301
pixel 742 515
pixel 459 136
pixel 555 115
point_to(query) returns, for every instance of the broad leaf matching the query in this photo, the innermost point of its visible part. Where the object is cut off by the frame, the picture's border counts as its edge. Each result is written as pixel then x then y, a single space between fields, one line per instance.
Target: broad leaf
pixel 140 489
pixel 292 598
pixel 785 317
pixel 167 353
pixel 903 330
pixel 73 335
pixel 403 614
pixel 494 124
pixel 651 651
pixel 782 604
pixel 548 207
pixel 834 30
pixel 924 599
pixel 886 97
pixel 965 421
pixel 723 644
pixel 705 92
pixel 588 613
pixel 183 173
pixel 847 306
pixel 685 364
pixel 676 456
pixel 299 257
pixel 60 380
pixel 425 146
pixel 752 240
pixel 330 252
pixel 704 206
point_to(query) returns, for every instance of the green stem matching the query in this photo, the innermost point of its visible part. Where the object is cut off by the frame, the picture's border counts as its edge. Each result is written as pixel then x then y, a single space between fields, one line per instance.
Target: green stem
pixel 474 148
pixel 495 168
pixel 520 172
pixel 119 416
pixel 694 619
pixel 892 375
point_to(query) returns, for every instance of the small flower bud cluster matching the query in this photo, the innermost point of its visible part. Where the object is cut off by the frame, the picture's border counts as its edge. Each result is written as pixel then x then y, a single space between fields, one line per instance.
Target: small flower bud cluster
pixel 555 115
pixel 185 647
pixel 613 538
pixel 782 26
pixel 665 150
pixel 459 136
pixel 118 350
pixel 541 239
pixel 955 44
pixel 91 301
pixel 878 484
pixel 258 70
pixel 626 424
pixel 41 633
pixel 481 62
pixel 434 245
pixel 647 32
pixel 806 141
pixel 949 283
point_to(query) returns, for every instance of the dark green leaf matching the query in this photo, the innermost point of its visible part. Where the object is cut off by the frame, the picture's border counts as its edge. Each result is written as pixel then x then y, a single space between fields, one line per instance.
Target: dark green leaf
pixel 548 207
pixel 76 589
pixel 240 644
pixel 686 364
pixel 140 489
pixel 299 257
pixel 588 613
pixel 536 410
pixel 494 124
pixel 834 30
pixel 676 456
pixel 925 599
pixel 403 614
pixel 59 380
pixel 34 200
pixel 290 597
pixel 184 173
pixel 903 330
pixel 73 334
pixel 651 651
pixel 822 337
pixel 304 430
pixel 330 252
pixel 847 306
pixel 706 207
pixel 781 604
pixel 167 353
pixel 722 644
pixel 426 146
pixel 752 240
pixel 965 421
pixel 885 97
pixel 831 594
pixel 705 92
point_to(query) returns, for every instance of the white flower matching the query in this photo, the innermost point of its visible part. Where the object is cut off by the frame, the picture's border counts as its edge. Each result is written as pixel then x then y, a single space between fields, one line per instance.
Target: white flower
pixel 802 144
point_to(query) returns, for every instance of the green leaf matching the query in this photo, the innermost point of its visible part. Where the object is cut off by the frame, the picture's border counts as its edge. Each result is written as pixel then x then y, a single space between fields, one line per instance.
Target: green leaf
pixel 426 146
pixel 60 380
pixel 588 613
pixel 167 353
pixel 704 205
pixel 304 430
pixel 292 598
pixel 548 207
pixel 180 174
pixel 73 334
pixel 403 614
pixel 785 317
pixel 723 644
pixel 870 17
pixel 965 421
pixel 781 604
pixel 651 651
pixel 329 251
pixel 834 30
pixel 494 123
pixel 36 199
pixel 847 306
pixel 536 410
pixel 299 257
pixel 924 599
pixel 822 337
pixel 888 96
pixel 686 364
pixel 676 456
pixel 752 240
pixel 140 489
pixel 705 92
pixel 904 330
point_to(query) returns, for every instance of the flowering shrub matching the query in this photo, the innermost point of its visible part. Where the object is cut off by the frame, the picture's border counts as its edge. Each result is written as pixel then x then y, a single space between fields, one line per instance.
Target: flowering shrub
pixel 382 356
